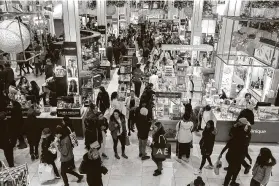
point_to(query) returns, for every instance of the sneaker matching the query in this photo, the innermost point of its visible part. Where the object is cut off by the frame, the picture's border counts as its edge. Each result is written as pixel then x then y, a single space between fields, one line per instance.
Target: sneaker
pixel 179 160
pixel 234 184
pixel 145 158
pixel 198 172
pixel 57 177
pixel 80 178
pixel 104 155
pixel 209 167
pixel 186 160
pixel 37 156
pixel 124 156
pixel 226 168
pixel 247 169
pixel 129 134
pixel 117 156
pixel 157 173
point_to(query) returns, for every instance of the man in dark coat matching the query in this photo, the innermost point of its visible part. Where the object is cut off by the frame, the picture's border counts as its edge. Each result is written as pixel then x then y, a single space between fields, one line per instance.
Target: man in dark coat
pixel 143 125
pixel 9 75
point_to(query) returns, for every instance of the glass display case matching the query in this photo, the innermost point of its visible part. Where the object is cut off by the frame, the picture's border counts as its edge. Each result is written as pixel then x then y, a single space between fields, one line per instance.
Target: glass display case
pixel 69 106
pixel 268 113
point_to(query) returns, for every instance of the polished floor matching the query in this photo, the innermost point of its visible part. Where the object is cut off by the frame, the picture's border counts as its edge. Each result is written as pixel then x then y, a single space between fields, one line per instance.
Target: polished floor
pixel 135 172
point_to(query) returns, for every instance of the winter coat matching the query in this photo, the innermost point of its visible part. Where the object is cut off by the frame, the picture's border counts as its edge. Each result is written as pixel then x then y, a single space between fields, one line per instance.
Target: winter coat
pixel 93 132
pixel 127 105
pixel 65 148
pixel 114 130
pixel 32 130
pixel 47 156
pixel 103 101
pixel 261 174
pixel 143 125
pixel 184 131
pixel 207 141
pixel 93 169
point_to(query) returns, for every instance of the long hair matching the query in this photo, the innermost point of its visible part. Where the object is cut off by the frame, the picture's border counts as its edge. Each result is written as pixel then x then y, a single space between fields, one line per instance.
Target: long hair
pixel 265 158
pixel 112 118
pixel 211 129
pixel 113 96
pixel 34 86
pixel 21 80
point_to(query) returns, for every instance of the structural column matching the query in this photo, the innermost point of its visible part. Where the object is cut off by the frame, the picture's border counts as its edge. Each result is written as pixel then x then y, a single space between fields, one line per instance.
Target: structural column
pixel 101 12
pixel 232 9
pixel 72 42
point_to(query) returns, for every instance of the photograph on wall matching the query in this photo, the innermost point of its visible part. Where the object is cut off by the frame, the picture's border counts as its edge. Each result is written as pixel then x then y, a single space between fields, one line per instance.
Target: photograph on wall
pixel 73 87
pixel 71 66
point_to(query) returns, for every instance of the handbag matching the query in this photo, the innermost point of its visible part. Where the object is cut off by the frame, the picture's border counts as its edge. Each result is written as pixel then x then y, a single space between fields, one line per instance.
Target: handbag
pixel 73 138
pixel 217 166
pixel 127 141
pixel 162 153
pixel 104 170
pixel 16 176
pixel 45 172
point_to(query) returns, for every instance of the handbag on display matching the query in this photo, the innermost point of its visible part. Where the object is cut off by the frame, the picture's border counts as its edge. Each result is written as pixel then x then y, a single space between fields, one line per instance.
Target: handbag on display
pixel 45 172
pixel 16 176
pixel 127 141
pixel 162 153
pixel 73 138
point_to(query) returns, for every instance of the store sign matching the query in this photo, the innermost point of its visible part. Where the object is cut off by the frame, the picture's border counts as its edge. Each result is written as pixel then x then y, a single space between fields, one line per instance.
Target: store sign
pixel 68 112
pixel 168 94
pixel 256 131
pixel 70 48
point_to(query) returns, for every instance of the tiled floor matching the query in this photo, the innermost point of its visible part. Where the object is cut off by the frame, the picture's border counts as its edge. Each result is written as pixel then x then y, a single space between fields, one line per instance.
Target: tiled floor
pixel 134 172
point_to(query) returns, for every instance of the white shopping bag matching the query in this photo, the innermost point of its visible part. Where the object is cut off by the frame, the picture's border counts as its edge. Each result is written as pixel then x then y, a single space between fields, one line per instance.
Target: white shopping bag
pixel 45 172
pixel 149 141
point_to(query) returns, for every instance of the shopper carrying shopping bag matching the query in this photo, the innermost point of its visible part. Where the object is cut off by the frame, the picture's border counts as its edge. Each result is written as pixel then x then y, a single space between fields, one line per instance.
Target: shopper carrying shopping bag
pixel 158 142
pixel 67 156
pixel 49 152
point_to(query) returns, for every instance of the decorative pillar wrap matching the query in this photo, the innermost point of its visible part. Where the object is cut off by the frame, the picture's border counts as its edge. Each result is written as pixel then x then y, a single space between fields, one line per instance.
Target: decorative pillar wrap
pixel 72 44
pixel 233 8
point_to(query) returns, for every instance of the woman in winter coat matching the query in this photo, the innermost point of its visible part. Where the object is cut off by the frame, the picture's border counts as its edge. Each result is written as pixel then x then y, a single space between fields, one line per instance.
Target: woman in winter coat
pixel 16 127
pixel 117 127
pixel 206 144
pixel 65 147
pixel 94 168
pixel 47 155
pixel 158 142
pixel 33 133
pixel 103 102
pixel 184 137
pixel 262 168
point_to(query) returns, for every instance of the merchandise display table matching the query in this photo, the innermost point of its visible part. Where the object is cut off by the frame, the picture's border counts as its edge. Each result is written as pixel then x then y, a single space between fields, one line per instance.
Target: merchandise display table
pixel 262 131
pixel 45 120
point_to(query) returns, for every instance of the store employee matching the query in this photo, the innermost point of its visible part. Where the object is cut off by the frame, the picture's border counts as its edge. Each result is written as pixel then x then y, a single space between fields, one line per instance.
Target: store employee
pixel 246 101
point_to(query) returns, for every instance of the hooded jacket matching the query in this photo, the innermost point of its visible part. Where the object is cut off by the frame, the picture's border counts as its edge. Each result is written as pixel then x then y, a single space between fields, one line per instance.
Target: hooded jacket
pixel 207 141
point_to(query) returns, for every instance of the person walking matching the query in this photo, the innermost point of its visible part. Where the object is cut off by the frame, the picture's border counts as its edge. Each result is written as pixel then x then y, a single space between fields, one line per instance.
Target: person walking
pixel 93 168
pixel 17 126
pixel 262 169
pixel 184 137
pixel 103 102
pixel 237 150
pixel 158 142
pixel 103 123
pixel 206 145
pixel 115 104
pixel 93 132
pixel 33 133
pixel 48 68
pixel 65 147
pixel 137 77
pixel 143 126
pixel 48 156
pixel 117 126
pixel 131 103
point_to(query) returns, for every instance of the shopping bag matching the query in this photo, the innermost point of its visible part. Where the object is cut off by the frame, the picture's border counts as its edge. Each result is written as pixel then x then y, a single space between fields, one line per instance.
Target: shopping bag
pixel 16 176
pixel 73 138
pixel 149 141
pixel 162 153
pixel 45 172
pixel 217 166
pixel 127 141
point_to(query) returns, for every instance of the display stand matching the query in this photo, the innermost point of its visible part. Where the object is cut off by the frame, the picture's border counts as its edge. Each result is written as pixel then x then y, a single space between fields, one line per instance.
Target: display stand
pixel 125 77
pixel 168 111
